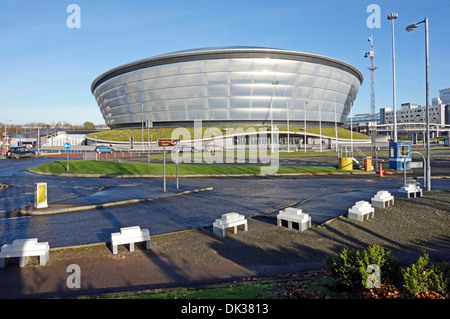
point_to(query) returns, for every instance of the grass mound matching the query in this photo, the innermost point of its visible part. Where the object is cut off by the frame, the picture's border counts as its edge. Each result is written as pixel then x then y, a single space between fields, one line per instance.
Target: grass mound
pixel 156 133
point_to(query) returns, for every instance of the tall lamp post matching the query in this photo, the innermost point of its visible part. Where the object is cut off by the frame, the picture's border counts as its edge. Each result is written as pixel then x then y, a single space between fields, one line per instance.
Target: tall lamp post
pixel 392 17
pixel 287 120
pixel 428 169
pixel 271 116
pixel 5 135
pixel 304 123
pixel 142 127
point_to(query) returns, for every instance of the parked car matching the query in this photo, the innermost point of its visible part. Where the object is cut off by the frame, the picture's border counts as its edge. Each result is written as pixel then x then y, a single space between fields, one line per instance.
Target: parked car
pixel 104 149
pixel 185 148
pixel 18 152
pixel 213 148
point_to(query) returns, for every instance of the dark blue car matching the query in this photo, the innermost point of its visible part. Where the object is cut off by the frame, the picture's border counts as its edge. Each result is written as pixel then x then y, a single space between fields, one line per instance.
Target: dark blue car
pixel 18 152
pixel 104 149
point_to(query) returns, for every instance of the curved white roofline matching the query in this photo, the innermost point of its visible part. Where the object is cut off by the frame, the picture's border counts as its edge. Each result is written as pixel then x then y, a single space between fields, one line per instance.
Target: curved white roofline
pixel 188 55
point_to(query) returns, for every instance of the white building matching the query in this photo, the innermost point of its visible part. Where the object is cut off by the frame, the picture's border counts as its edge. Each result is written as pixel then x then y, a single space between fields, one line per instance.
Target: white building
pixel 414 113
pixel 61 137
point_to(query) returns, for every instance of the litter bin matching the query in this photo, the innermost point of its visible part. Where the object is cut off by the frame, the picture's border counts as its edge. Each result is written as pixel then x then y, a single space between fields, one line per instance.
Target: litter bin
pixel 368 164
pixel 346 163
pixel 40 195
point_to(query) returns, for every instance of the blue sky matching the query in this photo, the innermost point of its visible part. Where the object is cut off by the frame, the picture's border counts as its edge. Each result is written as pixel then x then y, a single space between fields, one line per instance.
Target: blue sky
pixel 47 68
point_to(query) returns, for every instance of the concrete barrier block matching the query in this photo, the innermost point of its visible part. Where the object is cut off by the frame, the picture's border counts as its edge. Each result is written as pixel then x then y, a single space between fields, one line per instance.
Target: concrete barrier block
pixel 294 216
pixel 382 199
pixel 361 211
pixel 229 220
pixel 410 190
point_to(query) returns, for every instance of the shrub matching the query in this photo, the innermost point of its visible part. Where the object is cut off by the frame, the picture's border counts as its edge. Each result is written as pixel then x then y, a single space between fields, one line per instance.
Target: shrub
pixel 345 269
pixel 350 267
pixel 441 278
pixel 423 276
pixel 376 255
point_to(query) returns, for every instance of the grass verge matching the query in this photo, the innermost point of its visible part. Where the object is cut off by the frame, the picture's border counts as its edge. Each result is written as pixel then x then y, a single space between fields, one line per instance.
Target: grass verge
pixel 244 290
pixel 231 291
pixel 121 168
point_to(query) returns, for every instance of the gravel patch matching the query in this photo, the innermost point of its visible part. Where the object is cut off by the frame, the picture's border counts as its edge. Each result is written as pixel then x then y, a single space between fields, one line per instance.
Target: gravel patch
pixel 406 228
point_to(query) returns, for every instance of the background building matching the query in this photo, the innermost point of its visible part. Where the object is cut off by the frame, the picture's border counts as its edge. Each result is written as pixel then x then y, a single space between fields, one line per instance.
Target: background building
pixel 411 118
pixel 444 96
pixel 414 113
pixel 228 86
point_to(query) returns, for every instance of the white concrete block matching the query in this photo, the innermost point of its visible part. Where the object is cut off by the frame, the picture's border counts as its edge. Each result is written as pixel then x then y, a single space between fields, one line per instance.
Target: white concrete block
pixel 382 199
pixel 410 190
pixel 130 235
pixel 25 248
pixel 292 215
pixel 229 220
pixel 362 210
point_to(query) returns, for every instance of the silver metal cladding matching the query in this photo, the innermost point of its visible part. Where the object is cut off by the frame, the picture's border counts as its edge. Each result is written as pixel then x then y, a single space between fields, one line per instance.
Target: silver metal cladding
pixel 228 86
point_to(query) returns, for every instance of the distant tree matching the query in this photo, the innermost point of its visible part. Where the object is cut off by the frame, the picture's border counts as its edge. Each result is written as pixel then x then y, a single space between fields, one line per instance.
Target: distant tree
pixel 88 125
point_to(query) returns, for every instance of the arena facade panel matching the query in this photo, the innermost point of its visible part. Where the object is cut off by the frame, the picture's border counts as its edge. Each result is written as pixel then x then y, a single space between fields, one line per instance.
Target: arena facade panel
pixel 228 86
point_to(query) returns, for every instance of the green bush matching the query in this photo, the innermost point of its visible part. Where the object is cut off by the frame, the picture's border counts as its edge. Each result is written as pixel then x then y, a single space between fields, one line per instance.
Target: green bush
pixel 389 266
pixel 423 276
pixel 350 267
pixel 441 278
pixel 345 268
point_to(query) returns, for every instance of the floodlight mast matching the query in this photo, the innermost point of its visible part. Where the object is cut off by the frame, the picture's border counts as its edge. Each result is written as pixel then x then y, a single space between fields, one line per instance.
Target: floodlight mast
pixel 372 69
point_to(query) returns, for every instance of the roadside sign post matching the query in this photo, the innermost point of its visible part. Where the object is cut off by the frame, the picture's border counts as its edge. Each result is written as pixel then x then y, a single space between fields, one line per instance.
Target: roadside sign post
pixel 176 163
pixel 165 142
pixel 164 148
pixel 67 146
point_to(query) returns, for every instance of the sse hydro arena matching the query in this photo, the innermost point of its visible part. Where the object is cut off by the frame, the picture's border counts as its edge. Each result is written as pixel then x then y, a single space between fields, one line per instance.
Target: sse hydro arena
pixel 228 86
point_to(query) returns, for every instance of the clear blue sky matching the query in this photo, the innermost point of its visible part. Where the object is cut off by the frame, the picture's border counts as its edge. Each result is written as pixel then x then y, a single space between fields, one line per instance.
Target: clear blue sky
pixel 47 69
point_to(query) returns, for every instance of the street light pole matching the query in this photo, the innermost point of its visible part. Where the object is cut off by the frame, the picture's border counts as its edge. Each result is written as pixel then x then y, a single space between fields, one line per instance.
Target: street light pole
pixel 427 107
pixel 335 128
pixel 428 169
pixel 287 119
pixel 304 123
pixel 392 17
pixel 320 126
pixel 271 117
pixel 142 127
pixel 5 135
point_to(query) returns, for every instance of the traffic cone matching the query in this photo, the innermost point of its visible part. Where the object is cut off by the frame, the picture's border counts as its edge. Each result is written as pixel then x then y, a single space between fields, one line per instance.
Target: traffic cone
pixel 381 170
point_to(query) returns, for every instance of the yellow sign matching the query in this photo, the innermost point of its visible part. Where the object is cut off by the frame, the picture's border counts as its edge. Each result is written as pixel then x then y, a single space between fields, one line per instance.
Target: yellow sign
pixel 40 195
